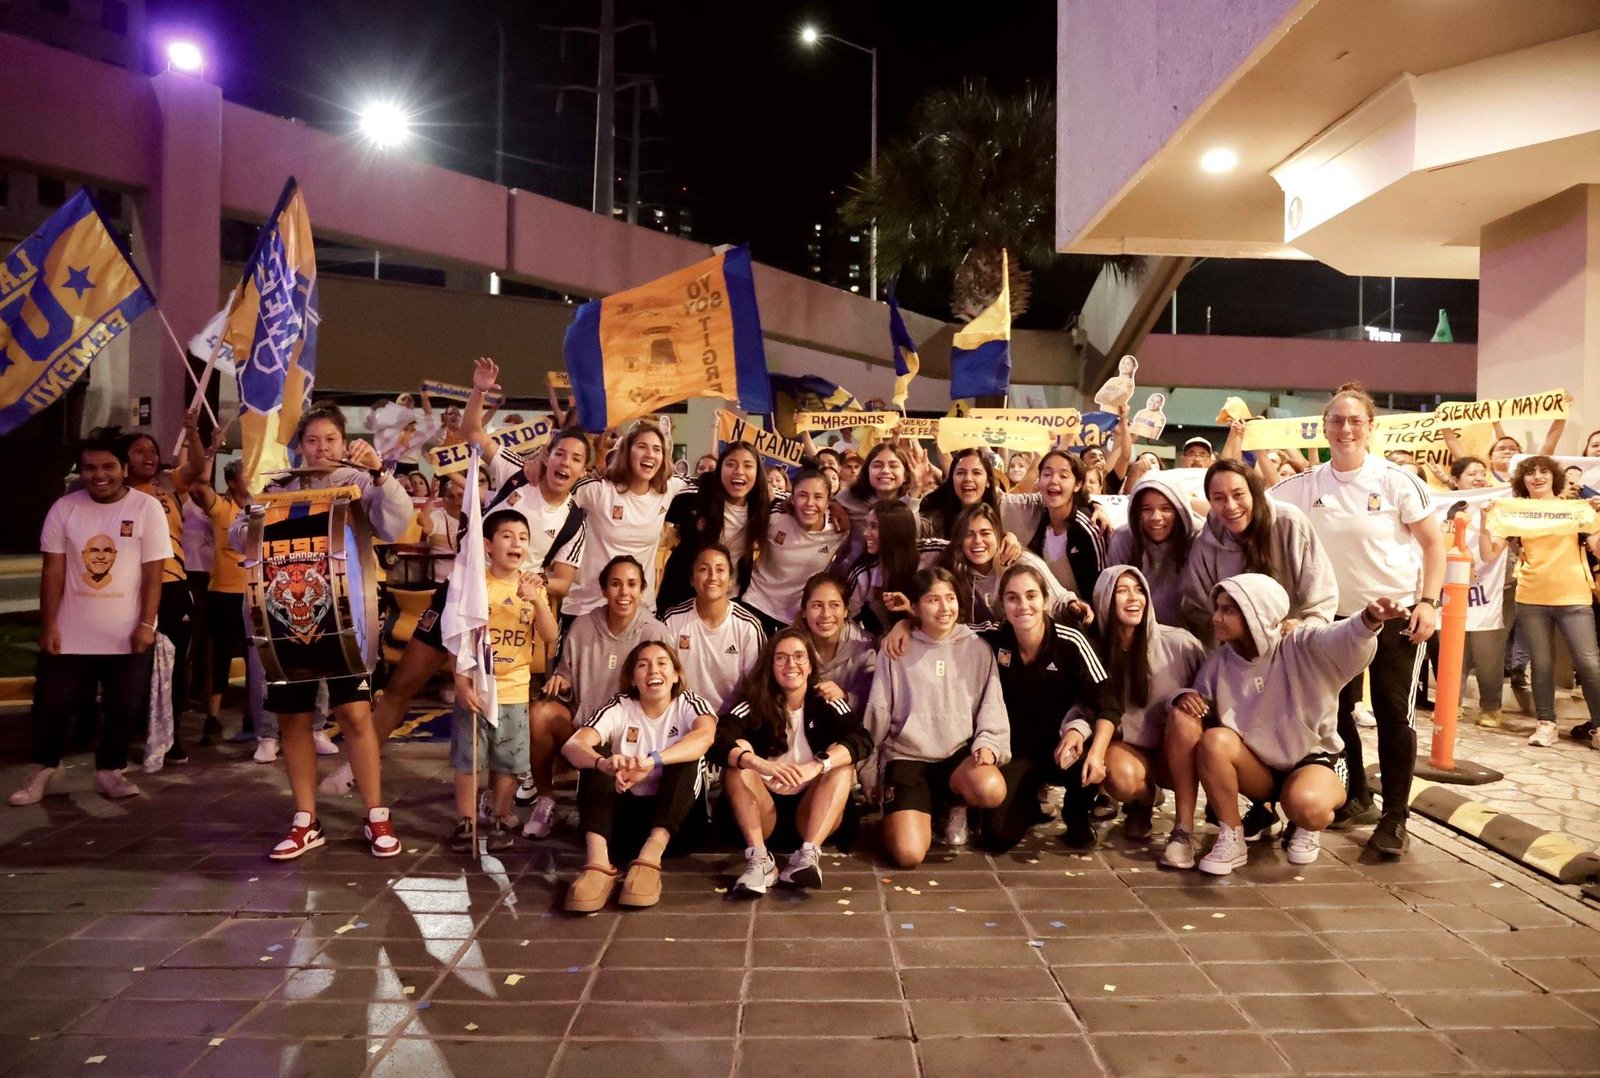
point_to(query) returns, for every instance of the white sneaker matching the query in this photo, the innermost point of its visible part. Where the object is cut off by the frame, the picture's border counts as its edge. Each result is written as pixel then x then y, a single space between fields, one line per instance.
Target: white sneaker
pixel 485 806
pixel 1304 846
pixel 955 827
pixel 324 743
pixel 114 784
pixel 266 750
pixel 1228 852
pixel 1544 735
pixel 1363 715
pixel 33 791
pixel 526 792
pixel 341 782
pixel 760 873
pixel 1179 852
pixel 542 819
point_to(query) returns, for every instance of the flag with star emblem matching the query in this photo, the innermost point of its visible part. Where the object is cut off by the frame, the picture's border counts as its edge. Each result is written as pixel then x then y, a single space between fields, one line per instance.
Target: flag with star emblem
pixel 66 292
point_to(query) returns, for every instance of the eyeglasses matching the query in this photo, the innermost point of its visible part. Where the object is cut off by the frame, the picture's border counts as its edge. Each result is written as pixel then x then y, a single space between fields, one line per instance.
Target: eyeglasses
pixel 1354 422
pixel 785 659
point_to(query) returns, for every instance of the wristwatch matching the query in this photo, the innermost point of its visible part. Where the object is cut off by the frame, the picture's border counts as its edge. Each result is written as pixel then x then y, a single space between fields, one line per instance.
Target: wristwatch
pixel 1430 600
pixel 826 763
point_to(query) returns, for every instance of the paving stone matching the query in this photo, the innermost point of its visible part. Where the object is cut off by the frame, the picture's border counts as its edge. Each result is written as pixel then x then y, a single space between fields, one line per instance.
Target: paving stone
pixel 414 1058
pixel 666 985
pixel 671 1059
pixel 805 1057
pixel 1189 1053
pixel 1242 947
pixel 821 953
pixel 800 1018
pixel 1443 975
pixel 979 983
pixel 135 1057
pixel 822 984
pixel 1120 982
pixel 1350 1012
pixel 1371 1052
pixel 1286 978
pixel 1172 1015
pixel 1505 1011
pixel 953 1018
pixel 986 1057
pixel 1416 945
pixel 1567 942
pixel 1505 1051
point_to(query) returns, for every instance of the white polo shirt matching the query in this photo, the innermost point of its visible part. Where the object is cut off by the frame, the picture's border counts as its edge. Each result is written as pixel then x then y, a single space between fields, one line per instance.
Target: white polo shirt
pixel 105 545
pixel 714 658
pixel 618 522
pixel 626 730
pixel 790 557
pixel 1361 517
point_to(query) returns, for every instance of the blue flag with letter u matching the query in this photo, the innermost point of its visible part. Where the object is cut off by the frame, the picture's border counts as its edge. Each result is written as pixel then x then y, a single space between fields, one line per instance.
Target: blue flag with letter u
pixel 271 330
pixel 66 292
pixel 980 354
pixel 692 333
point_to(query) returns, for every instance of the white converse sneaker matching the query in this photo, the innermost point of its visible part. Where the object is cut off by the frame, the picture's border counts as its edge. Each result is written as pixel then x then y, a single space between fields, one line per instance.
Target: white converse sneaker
pixel 1304 846
pixel 1228 852
pixel 1179 851
pixel 760 873
pixel 324 743
pixel 266 750
pixel 542 819
pixel 341 782
pixel 1544 735
pixel 955 827
pixel 33 791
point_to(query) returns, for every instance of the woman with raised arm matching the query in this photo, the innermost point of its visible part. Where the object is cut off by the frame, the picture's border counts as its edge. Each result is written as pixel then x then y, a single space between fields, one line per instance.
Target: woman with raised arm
pixel 729 508
pixel 891 555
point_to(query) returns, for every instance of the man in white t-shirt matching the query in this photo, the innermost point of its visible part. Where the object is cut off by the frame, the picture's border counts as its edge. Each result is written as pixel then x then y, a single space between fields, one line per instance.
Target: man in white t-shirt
pixel 104 547
pixel 716 639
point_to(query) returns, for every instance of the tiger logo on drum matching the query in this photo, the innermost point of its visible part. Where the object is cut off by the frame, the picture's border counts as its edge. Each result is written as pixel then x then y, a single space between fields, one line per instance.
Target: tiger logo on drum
pixel 298 595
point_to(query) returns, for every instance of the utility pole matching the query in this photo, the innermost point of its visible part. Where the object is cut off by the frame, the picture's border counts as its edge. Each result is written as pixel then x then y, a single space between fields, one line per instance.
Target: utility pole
pixel 605 113
pixel 500 104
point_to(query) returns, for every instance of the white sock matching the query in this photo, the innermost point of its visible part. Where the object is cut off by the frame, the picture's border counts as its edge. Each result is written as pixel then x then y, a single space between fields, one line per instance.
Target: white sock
pixel 808 846
pixel 758 851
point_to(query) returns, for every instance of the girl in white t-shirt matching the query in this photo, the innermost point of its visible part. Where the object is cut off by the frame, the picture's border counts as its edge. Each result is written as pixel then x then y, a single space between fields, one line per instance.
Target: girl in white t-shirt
pixel 728 507
pixel 801 541
pixel 640 761
pixel 1489 619
pixel 625 513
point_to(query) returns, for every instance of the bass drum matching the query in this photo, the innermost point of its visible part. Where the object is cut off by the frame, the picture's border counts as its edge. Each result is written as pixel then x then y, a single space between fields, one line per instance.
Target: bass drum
pixel 312 591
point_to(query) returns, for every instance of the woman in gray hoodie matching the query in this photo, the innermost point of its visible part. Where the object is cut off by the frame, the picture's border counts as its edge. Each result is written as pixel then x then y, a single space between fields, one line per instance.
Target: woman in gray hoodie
pixel 939 722
pixel 1157 538
pixel 1272 698
pixel 1248 532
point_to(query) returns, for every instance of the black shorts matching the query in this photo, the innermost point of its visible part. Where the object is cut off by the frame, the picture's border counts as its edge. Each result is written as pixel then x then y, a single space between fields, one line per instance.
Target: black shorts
pixel 429 629
pixel 1332 761
pixel 300 697
pixel 920 785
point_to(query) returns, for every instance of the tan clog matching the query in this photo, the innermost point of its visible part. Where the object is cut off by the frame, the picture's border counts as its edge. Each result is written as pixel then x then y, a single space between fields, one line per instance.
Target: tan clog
pixel 642 886
pixel 592 889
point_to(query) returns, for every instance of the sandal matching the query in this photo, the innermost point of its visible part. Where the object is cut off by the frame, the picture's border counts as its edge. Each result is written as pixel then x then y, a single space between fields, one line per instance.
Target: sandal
pixel 592 889
pixel 641 887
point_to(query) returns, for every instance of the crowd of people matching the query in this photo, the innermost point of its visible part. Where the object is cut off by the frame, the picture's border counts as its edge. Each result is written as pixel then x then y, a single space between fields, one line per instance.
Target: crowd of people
pixel 963 644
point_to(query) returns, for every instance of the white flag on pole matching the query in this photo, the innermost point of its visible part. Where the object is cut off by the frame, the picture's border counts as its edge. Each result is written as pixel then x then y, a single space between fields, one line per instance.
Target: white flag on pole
pixel 465 628
pixel 209 338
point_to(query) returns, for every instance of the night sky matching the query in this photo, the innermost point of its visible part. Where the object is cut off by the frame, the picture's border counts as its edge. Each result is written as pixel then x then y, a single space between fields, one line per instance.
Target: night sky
pixel 757 135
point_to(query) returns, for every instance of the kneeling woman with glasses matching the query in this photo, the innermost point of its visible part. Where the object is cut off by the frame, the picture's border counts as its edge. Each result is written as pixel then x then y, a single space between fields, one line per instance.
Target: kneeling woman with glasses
pixel 640 763
pixel 791 753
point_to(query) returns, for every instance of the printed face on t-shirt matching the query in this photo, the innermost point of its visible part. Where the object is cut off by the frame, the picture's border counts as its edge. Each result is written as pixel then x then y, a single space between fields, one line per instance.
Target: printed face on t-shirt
pixel 99 555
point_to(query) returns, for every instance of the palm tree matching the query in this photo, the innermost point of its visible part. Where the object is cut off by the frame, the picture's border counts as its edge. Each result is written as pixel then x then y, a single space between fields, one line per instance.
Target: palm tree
pixel 975 175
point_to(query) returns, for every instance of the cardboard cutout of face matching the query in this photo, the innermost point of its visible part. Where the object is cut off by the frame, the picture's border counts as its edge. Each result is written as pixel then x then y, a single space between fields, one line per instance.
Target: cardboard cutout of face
pixel 99 556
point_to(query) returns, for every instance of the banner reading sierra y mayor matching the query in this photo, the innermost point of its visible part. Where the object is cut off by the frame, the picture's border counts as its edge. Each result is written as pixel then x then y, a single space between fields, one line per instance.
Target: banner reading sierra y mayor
pixel 693 333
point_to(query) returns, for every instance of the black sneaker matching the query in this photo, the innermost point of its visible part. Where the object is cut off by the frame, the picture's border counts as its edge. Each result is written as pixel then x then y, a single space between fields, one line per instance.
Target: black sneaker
pixel 1355 812
pixel 1080 834
pixel 1519 679
pixel 176 755
pixel 501 837
pixel 527 791
pixel 1583 732
pixel 1105 807
pixel 1136 821
pixel 461 837
pixel 1260 821
pixel 210 732
pixel 1389 837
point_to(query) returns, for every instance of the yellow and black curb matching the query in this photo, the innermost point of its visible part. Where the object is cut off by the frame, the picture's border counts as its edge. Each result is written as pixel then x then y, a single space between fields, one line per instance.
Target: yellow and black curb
pixel 1555 855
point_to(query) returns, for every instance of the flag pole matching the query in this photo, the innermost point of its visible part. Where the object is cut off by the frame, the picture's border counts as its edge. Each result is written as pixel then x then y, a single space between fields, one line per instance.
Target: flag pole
pixel 474 817
pixel 183 356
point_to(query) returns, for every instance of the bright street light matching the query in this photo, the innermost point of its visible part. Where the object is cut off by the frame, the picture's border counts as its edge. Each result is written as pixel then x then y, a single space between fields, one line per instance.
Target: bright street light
pixel 1218 160
pixel 185 56
pixel 385 124
pixel 809 35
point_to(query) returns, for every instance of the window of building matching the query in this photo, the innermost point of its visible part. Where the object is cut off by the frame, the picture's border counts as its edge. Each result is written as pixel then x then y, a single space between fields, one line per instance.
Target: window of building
pixel 114 17
pixel 55 7
pixel 854 238
pixel 110 202
pixel 52 192
pixel 5 190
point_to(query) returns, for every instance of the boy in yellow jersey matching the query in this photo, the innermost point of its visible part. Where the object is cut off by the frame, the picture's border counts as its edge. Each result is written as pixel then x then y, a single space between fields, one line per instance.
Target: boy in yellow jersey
pixel 519 610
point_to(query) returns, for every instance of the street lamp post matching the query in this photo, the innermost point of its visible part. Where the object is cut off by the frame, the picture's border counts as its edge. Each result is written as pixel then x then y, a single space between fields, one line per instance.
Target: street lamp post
pixel 811 35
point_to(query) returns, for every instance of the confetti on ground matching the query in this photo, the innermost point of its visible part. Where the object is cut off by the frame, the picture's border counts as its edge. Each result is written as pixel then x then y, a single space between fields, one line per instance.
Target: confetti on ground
pixel 844 902
pixel 912 891
pixel 1109 987
pixel 373 1050
pixel 887 879
pixel 412 850
pixel 524 943
pixel 95 1059
pixel 1035 943
pixel 1497 883
pixel 1299 879
pixel 849 913
pixel 90 842
pixel 573 969
pixel 424 1005
pixel 1133 870
pixel 470 1026
pixel 138 969
pixel 933 883
pixel 958 909
pixel 907 924
pixel 991 924
pixel 899 888
pixel 342 929
pixel 253 879
pixel 275 947
pixel 265 958
pixel 352 883
pixel 216 1041
pixel 1188 928
pixel 1033 860
pixel 361 924
pixel 1218 916
pixel 407 990
pixel 720 890
pixel 1058 924
pixel 513 979
pixel 669 939
pixel 847 888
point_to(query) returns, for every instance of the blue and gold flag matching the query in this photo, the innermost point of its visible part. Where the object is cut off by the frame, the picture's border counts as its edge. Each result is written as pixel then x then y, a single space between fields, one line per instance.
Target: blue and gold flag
pixel 980 354
pixel 271 330
pixel 66 292
pixel 693 333
pixel 906 363
pixel 793 393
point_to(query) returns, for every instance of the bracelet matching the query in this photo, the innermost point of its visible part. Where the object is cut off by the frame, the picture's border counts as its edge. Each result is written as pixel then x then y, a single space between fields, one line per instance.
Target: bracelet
pixel 656 756
pixel 148 625
pixel 598 760
pixel 738 761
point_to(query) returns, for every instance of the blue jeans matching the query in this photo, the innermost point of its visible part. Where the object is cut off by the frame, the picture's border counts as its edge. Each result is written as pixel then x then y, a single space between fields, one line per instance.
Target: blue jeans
pixel 1539 625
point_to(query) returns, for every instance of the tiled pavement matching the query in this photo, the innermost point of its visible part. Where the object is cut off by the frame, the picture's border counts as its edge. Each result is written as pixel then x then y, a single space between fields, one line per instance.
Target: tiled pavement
pixel 153 938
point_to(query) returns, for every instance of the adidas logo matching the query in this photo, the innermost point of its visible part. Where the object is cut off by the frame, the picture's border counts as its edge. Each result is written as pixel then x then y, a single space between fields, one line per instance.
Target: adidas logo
pixel 1318 504
pixel 550 532
pixel 732 650
pixel 1051 667
pixel 364 686
pixel 507 602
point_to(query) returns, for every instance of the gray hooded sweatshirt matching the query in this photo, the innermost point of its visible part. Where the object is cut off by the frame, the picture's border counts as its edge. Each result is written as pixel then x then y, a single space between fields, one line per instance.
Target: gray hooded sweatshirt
pixel 1160 564
pixel 852 665
pixel 1304 569
pixel 1284 703
pixel 1174 656
pixel 592 657
pixel 944 697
